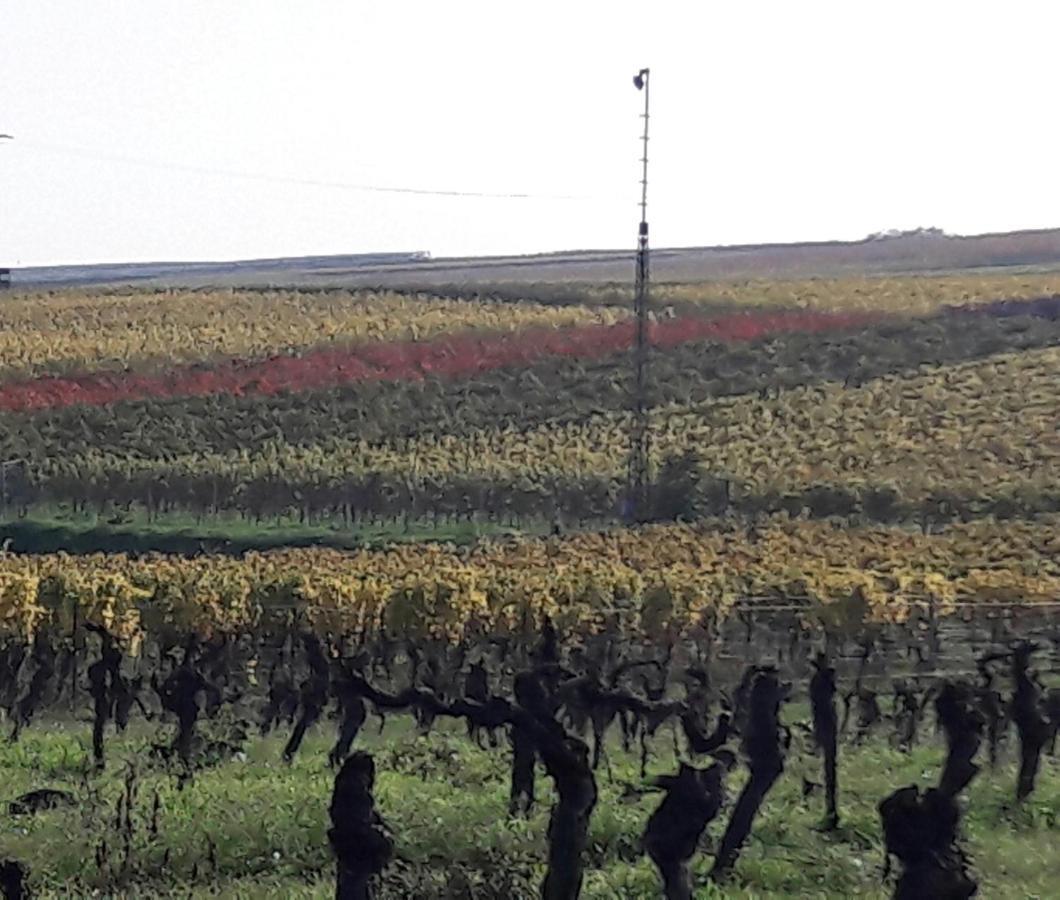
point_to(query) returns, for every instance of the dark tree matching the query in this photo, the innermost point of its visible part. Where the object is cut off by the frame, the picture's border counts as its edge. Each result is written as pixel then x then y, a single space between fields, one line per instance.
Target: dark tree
pixel 43 657
pixel 98 689
pixel 524 759
pixel 214 663
pixel 741 697
pixel 826 731
pixel 566 759
pixel 869 713
pixel 651 720
pixel 908 712
pixel 108 689
pixel 963 727
pixel 585 697
pixel 477 690
pixel 1031 723
pixel 13 880
pixel 358 834
pixel 693 798
pixel 547 650
pixel 867 701
pixel 283 700
pixel 179 695
pixel 992 707
pixel 700 743
pixel 763 744
pixel 1052 711
pixel 528 694
pixel 921 831
pixel 126 694
pixel 314 694
pixel 697 691
pixel 12 653
pixel 36 801
pixel 352 714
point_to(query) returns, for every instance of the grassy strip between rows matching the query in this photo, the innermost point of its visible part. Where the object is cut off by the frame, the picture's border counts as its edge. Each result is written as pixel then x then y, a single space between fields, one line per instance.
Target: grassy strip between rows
pixel 445 801
pixel 592 504
pixel 182 534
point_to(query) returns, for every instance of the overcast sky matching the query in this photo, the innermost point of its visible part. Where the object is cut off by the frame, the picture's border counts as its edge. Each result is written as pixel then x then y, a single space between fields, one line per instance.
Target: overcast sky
pixel 214 130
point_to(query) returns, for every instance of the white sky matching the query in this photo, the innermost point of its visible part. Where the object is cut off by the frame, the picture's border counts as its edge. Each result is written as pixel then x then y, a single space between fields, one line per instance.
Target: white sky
pixel 783 121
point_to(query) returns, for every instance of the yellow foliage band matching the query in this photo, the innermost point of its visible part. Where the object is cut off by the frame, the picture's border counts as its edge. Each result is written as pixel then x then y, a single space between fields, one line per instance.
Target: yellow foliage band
pixel 648 582
pixel 79 331
pixel 83 330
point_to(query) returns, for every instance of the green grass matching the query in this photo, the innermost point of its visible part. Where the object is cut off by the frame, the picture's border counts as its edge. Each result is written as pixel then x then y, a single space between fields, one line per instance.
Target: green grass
pixel 445 802
pixel 50 530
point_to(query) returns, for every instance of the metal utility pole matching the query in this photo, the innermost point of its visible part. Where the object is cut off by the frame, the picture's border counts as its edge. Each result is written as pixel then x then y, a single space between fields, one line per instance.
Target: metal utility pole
pixel 639 499
pixel 5 282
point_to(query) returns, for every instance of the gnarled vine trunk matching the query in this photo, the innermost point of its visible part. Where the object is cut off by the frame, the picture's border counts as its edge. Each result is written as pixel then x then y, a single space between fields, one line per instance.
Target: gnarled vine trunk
pixel 763 746
pixel 693 798
pixel 826 732
pixel 357 834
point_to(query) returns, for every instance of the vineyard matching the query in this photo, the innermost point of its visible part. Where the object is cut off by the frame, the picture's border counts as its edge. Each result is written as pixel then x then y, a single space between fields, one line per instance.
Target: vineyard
pixel 878 414
pixel 851 583
pixel 75 333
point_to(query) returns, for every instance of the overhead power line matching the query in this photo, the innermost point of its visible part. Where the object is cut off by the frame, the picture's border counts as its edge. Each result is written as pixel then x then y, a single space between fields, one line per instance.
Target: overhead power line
pixel 88 153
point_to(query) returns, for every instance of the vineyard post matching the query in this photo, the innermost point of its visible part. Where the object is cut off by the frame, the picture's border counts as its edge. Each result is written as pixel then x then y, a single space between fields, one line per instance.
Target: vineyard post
pixel 933 622
pixel 73 641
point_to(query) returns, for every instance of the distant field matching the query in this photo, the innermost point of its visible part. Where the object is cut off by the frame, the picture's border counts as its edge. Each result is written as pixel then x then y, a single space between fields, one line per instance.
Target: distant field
pixel 923 252
pixel 917 253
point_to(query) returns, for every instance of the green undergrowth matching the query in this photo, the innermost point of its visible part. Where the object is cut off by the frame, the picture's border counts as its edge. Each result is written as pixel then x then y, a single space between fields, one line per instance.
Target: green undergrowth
pixel 256 828
pixel 51 531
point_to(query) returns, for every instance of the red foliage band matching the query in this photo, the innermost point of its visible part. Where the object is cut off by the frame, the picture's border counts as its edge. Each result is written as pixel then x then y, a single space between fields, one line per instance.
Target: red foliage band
pixel 449 356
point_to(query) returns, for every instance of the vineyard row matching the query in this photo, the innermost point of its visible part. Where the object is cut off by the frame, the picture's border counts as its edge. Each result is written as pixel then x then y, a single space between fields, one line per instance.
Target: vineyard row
pixel 75 333
pixel 449 356
pixel 558 389
pixel 103 347
pixel 647 582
